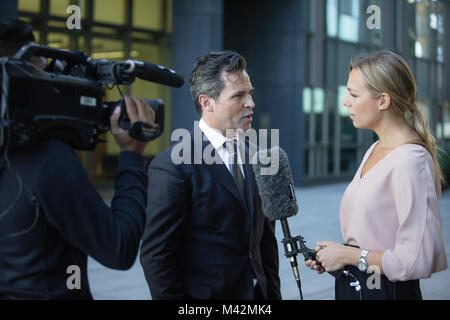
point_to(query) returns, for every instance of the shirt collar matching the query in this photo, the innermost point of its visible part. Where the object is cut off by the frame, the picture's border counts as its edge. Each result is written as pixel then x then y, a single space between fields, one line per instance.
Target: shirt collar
pixel 214 136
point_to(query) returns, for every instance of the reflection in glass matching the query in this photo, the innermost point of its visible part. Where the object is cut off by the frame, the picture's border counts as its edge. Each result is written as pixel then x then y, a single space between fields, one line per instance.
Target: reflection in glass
pixel 110 11
pixel 349 20
pixel 307 100
pixel 446 120
pixel 332 14
pixel 29 6
pixel 147 14
pixel 319 100
pixel 59 7
pixel 342 92
pixel 423 23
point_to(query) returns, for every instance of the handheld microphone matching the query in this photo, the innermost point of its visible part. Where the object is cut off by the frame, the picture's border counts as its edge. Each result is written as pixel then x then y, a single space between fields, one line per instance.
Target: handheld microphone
pixel 278 199
pixel 279 203
pixel 154 73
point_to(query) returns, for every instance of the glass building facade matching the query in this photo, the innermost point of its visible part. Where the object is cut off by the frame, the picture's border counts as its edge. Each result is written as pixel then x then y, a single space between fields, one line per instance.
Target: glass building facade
pixel 337 32
pixel 298 53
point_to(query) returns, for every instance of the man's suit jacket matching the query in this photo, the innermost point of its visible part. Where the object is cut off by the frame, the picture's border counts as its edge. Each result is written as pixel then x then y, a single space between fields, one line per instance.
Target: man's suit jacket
pixel 202 240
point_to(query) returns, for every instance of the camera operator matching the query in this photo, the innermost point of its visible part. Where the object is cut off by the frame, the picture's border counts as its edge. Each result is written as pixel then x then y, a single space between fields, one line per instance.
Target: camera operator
pixel 51 216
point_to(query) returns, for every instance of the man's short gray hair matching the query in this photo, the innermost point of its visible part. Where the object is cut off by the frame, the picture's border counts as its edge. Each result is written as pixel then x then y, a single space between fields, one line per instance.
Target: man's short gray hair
pixel 206 77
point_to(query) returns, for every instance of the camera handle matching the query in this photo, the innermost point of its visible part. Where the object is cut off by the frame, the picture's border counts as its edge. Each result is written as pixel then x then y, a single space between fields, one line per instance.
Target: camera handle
pixel 32 49
pixel 139 130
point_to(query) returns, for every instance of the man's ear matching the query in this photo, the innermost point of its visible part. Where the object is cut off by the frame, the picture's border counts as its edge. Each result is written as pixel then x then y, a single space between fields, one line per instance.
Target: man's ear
pixel 206 102
pixel 384 101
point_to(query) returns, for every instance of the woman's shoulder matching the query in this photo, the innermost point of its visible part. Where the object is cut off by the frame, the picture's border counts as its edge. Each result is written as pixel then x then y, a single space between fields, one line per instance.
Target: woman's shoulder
pixel 411 157
pixel 411 151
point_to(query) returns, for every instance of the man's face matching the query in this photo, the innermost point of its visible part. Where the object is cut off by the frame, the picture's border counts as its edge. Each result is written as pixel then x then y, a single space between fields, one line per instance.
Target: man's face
pixel 233 108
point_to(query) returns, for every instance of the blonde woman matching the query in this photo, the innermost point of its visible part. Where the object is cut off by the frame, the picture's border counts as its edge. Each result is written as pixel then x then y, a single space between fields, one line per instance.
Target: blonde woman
pixel 389 214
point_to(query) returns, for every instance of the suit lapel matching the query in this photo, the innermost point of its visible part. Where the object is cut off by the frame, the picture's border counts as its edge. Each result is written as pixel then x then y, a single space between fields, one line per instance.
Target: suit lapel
pixel 250 184
pixel 221 174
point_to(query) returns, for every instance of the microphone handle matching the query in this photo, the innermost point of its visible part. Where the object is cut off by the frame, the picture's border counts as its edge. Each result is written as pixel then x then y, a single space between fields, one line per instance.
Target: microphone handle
pixel 338 274
pixel 290 250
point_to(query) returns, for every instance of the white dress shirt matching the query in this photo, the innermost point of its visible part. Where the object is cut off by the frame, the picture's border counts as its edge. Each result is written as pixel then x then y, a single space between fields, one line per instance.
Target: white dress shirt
pixel 218 142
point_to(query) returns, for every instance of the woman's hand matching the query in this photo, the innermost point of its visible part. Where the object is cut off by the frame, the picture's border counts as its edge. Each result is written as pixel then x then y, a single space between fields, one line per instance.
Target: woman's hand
pixel 331 255
pixel 314 265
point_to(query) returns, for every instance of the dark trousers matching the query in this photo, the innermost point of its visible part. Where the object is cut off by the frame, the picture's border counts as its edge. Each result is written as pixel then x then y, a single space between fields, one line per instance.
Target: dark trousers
pixel 388 290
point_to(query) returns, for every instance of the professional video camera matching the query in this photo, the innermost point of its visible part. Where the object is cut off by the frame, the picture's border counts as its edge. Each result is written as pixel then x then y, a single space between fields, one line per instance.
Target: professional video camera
pixel 66 99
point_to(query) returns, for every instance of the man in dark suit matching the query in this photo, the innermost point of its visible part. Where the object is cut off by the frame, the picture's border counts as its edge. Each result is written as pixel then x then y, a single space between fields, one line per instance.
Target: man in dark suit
pixel 205 235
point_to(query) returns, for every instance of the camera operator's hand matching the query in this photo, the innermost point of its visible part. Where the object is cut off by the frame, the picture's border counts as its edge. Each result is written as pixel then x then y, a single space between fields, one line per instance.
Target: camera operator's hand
pixel 137 110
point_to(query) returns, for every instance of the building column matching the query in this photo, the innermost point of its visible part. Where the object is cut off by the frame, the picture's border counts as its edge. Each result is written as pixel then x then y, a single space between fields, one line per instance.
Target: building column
pixel 197 29
pixel 270 36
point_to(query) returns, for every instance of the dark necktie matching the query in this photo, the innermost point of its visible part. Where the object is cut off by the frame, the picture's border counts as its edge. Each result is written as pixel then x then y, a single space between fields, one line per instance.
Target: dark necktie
pixel 236 171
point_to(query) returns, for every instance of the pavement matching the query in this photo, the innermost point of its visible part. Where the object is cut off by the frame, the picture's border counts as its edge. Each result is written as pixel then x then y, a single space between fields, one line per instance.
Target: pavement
pixel 317 220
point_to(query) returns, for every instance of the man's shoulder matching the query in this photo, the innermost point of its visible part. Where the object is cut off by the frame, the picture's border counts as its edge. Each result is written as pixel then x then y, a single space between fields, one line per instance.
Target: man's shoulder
pixel 166 154
pixel 182 148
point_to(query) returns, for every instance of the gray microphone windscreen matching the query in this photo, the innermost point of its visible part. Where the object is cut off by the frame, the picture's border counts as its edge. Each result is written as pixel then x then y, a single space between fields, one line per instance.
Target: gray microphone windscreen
pixel 275 183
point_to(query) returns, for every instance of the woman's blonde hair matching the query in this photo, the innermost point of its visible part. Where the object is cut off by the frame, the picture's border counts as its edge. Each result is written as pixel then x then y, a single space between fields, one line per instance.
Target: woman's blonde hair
pixel 387 72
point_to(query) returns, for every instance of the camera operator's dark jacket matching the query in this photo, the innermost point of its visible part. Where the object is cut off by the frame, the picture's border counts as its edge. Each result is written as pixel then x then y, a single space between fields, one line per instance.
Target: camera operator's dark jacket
pixel 40 250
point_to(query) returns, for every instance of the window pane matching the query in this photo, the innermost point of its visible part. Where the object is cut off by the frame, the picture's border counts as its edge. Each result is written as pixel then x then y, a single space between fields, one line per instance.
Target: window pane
pixel 319 125
pixel 438 11
pixel 169 16
pixel 331 75
pixel 348 130
pixel 422 45
pixel 347 52
pixel 307 100
pixel 149 90
pixel 108 49
pixel 319 100
pixel 422 76
pixel 59 7
pixel 58 40
pixel 446 120
pixel 342 92
pixel 148 14
pixel 349 20
pixel 332 14
pixel 306 161
pixel 29 6
pixel 57 24
pixel 110 11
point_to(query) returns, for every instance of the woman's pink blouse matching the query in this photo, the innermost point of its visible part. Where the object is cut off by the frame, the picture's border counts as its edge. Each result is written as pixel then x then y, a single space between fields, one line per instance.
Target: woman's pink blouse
pixel 394 209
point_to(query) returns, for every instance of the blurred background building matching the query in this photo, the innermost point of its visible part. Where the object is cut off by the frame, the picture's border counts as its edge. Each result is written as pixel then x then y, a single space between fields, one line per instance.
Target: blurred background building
pixel 298 54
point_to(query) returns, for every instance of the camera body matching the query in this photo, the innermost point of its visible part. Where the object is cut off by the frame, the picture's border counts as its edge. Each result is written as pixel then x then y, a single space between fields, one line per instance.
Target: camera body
pixel 66 99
